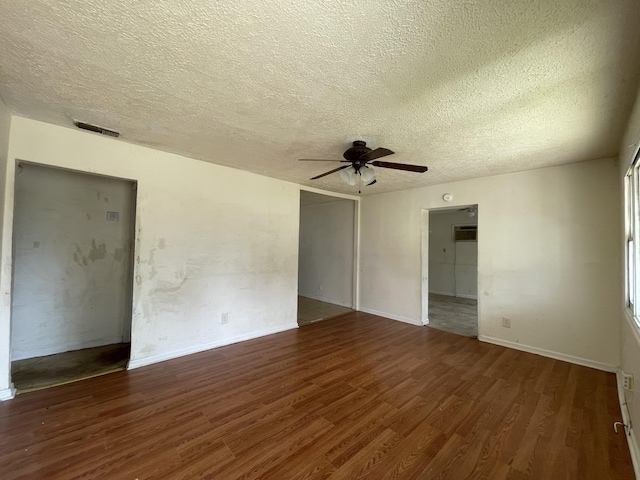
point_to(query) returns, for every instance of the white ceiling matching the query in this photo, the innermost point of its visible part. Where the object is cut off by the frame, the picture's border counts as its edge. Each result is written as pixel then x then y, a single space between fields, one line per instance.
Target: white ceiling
pixel 469 88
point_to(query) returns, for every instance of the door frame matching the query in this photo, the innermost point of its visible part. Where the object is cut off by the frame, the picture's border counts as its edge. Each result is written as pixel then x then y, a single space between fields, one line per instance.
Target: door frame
pixel 8 245
pixel 355 284
pixel 424 254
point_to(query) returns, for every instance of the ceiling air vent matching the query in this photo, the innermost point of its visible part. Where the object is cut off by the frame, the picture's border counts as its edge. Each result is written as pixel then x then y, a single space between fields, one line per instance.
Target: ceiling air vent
pixel 96 129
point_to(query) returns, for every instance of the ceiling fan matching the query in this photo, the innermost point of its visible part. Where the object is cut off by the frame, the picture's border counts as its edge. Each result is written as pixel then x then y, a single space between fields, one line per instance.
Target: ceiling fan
pixel 359 156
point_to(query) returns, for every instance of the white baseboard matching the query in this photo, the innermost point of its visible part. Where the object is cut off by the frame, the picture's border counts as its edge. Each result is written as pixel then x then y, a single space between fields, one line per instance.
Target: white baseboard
pixel 391 316
pixel 142 362
pixel 43 352
pixel 7 393
pixel 325 299
pixel 446 294
pixel 462 295
pixel 548 353
pixel 453 294
pixel 629 432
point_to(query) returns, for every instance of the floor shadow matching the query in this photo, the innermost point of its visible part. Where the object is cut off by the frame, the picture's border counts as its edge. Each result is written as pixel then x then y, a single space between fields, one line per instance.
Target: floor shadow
pixel 312 311
pixel 42 372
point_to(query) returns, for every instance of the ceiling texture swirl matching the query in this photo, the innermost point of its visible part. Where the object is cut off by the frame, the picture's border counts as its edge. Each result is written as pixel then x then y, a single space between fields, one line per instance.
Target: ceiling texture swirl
pixel 468 88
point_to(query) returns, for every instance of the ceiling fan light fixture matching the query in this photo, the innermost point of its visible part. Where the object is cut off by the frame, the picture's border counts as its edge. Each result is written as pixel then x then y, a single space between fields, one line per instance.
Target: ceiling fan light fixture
pixel 368 175
pixel 348 175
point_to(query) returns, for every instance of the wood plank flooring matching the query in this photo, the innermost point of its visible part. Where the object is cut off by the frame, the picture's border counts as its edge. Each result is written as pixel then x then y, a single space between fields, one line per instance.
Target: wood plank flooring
pixel 358 396
pixel 453 314
pixel 311 310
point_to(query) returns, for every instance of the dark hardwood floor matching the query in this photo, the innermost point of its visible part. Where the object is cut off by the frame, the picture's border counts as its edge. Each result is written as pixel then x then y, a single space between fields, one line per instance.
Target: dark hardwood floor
pixel 358 396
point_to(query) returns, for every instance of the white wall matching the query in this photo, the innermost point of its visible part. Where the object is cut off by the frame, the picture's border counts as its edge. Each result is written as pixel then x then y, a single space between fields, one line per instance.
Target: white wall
pixel 630 334
pixel 451 274
pixel 548 257
pixel 5 280
pixel 326 255
pixel 209 240
pixel 71 265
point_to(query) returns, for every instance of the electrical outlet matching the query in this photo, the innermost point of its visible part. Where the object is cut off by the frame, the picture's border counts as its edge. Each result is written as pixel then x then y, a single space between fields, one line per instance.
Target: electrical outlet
pixel 627 381
pixel 506 322
pixel 224 318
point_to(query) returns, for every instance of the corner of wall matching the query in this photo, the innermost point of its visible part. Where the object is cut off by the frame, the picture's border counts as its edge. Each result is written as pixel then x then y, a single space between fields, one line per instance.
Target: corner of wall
pixel 7 393
pixel 630 433
pixel 6 389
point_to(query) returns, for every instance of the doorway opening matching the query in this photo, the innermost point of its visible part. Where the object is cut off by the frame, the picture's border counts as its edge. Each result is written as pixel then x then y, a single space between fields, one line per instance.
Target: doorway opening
pixel 451 275
pixel 327 257
pixel 72 275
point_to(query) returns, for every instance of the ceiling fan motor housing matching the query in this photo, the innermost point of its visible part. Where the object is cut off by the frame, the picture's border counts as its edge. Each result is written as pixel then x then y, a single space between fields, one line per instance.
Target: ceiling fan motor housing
pixel 354 153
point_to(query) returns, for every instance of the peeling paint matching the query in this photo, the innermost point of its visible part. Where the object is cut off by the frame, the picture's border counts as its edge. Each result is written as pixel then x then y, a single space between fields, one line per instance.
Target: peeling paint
pixel 97 252
pixel 169 289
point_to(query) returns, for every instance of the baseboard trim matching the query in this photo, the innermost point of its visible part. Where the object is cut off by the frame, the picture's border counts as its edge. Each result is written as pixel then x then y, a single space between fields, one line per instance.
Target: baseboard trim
pixel 43 352
pixel 446 294
pixel 472 297
pixel 629 432
pixel 7 393
pixel 326 300
pixel 548 353
pixel 143 362
pixel 391 316
pixel 453 294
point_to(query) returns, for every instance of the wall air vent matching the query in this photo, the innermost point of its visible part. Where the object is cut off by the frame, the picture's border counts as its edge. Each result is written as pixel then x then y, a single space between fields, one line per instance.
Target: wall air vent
pixel 96 129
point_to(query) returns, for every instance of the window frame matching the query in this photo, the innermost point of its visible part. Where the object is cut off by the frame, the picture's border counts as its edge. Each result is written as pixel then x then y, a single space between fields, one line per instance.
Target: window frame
pixel 632 235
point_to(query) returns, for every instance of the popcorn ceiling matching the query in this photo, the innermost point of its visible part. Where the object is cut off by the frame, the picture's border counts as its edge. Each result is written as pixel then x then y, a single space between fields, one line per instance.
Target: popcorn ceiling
pixel 469 88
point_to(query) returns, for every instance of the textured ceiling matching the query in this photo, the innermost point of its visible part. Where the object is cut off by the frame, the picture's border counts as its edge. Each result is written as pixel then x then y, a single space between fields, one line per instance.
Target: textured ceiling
pixel 469 88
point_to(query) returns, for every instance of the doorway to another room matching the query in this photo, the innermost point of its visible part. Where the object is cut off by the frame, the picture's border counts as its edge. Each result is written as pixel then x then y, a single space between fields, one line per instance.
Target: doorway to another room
pixel 72 276
pixel 326 253
pixel 453 270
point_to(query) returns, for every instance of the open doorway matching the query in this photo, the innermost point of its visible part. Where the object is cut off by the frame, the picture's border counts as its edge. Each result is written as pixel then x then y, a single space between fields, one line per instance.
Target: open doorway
pixel 72 275
pixel 453 270
pixel 326 266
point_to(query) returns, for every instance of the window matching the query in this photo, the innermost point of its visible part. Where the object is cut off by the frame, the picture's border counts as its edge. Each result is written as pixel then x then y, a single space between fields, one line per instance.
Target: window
pixel 632 232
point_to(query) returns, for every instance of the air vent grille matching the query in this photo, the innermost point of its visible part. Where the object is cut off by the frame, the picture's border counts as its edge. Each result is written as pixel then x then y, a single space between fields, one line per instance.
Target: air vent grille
pixel 465 233
pixel 96 129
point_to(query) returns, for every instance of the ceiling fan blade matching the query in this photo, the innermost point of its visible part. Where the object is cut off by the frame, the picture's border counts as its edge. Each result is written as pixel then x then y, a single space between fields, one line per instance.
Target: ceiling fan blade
pixel 377 153
pixel 319 160
pixel 400 166
pixel 330 171
pixel 371 183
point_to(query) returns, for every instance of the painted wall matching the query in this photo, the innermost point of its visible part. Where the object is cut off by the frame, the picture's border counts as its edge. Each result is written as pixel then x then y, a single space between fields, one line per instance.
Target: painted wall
pixel 5 279
pixel 326 255
pixel 452 271
pixel 209 240
pixel 548 257
pixel 630 345
pixel 71 265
